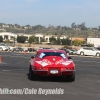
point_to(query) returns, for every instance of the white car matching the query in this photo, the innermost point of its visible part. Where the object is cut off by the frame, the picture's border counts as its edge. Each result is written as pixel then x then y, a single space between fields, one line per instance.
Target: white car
pixel 89 51
pixel 4 48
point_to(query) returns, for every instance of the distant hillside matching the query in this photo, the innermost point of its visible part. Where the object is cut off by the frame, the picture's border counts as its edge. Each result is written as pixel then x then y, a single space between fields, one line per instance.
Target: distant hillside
pixel 73 31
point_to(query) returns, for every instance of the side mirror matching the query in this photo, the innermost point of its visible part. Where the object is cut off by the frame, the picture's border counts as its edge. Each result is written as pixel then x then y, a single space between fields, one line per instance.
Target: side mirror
pixel 69 58
pixel 32 57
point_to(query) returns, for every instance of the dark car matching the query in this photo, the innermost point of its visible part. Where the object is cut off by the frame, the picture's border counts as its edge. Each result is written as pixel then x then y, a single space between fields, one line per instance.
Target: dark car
pixel 18 49
pixel 98 48
pixel 74 51
pixel 68 51
pixel 30 50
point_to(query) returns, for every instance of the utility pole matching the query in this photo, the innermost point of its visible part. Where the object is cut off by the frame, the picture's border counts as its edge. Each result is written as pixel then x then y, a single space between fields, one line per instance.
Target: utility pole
pixel 14 41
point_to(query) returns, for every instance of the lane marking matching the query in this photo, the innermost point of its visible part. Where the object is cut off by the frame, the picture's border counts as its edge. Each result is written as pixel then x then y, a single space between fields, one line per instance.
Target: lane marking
pixel 5 70
pixel 11 73
pixel 2 63
pixel 16 56
pixel 13 70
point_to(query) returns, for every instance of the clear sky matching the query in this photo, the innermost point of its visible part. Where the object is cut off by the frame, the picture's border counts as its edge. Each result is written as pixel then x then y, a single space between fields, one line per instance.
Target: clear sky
pixel 50 12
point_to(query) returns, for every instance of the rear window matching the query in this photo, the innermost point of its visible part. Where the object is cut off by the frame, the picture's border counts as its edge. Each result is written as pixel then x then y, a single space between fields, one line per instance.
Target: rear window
pixel 44 54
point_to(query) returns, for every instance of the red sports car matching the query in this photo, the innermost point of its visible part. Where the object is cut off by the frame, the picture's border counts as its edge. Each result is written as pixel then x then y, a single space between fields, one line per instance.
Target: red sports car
pixel 49 62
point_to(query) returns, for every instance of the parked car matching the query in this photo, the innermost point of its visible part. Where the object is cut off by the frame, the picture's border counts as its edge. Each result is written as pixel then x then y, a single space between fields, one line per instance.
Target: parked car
pixel 9 47
pixel 46 48
pixel 3 47
pixel 30 50
pixel 74 51
pixel 88 51
pixel 51 63
pixel 68 51
pixel 98 48
pixel 18 49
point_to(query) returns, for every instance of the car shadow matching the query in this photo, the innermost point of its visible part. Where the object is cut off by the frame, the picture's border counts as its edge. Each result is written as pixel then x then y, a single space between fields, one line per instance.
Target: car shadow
pixel 50 79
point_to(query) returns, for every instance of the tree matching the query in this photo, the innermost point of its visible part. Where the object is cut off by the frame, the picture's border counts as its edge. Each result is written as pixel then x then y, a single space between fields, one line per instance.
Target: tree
pixel 7 41
pixel 31 39
pixel 77 42
pixel 1 39
pixel 17 26
pixel 73 25
pixel 68 41
pixel 58 41
pixel 27 26
pixel 65 41
pixel 42 40
pixel 52 40
pixel 21 39
pixel 82 26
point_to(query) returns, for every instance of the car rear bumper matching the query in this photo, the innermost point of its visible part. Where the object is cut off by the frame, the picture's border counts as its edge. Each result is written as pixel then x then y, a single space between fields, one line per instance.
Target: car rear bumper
pixel 48 72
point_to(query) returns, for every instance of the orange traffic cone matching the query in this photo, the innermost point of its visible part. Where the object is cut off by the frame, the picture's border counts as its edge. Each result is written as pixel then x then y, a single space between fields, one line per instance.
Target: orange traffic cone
pixel 24 52
pixel 0 58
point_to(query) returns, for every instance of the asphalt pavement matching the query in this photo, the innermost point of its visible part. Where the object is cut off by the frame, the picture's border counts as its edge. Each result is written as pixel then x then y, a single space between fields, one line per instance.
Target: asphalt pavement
pixel 14 75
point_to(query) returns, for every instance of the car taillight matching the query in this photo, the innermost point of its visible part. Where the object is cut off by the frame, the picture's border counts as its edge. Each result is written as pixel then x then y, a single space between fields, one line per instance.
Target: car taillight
pixel 37 68
pixel 63 69
pixel 70 68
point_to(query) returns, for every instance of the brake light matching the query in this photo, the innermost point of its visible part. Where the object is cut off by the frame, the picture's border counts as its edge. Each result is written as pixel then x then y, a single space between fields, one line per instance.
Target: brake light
pixel 70 68
pixel 37 68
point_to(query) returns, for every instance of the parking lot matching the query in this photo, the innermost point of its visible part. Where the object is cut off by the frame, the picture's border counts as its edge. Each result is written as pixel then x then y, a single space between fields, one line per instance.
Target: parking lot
pixel 14 75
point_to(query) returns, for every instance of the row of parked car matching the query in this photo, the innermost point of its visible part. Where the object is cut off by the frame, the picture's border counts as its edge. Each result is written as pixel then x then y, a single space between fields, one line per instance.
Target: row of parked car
pixel 19 49
pixel 5 47
pixel 93 51
pixel 84 51
pixel 70 51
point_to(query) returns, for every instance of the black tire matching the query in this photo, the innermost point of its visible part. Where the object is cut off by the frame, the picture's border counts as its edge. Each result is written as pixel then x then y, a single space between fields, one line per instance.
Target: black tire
pixel 72 77
pixel 31 74
pixel 82 53
pixel 98 54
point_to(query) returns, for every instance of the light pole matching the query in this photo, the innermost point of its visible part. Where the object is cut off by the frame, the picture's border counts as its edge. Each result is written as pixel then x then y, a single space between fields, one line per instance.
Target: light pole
pixel 70 39
pixel 14 41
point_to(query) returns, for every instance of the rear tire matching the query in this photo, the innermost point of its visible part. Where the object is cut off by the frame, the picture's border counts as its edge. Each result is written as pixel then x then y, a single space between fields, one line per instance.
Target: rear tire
pixel 98 54
pixel 72 77
pixel 31 74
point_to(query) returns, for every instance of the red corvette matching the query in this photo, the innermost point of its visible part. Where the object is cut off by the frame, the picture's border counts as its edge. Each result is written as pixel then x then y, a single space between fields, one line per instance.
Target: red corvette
pixel 51 63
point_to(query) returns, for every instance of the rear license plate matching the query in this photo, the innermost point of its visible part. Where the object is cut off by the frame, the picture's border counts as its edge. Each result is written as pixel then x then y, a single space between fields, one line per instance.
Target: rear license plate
pixel 53 71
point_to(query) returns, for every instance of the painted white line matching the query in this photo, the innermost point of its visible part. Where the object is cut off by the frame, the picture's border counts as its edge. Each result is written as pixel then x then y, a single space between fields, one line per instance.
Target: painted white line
pixel 2 63
pixel 12 70
pixel 5 70
pixel 17 69
pixel 16 56
pixel 11 73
